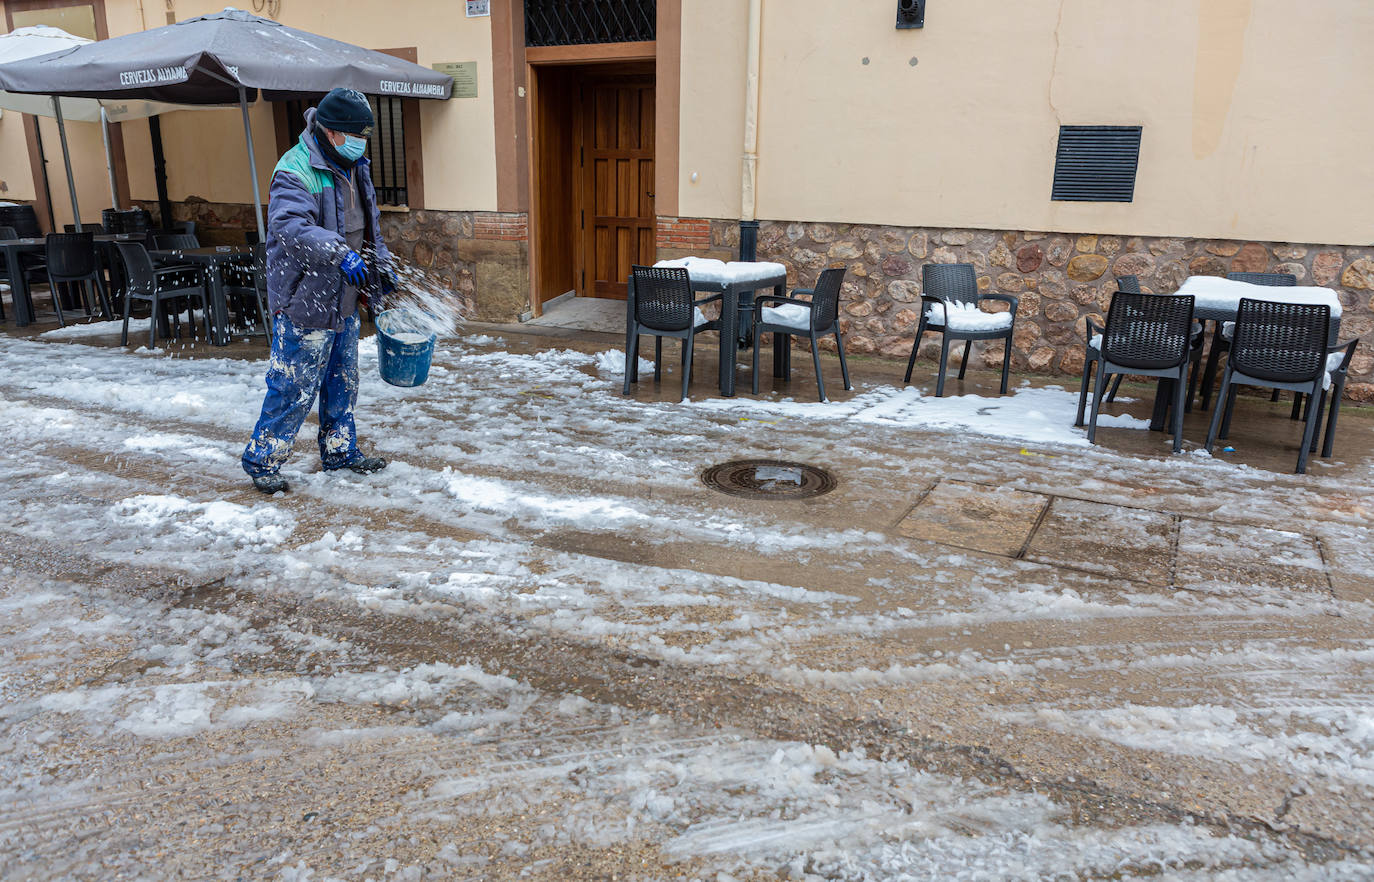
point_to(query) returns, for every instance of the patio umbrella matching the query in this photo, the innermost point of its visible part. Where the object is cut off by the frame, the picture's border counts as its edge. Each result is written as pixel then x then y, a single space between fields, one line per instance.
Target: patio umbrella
pixel 31 42
pixel 229 56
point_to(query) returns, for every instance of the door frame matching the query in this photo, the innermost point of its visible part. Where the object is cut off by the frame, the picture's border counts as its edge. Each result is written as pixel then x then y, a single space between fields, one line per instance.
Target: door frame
pixel 545 56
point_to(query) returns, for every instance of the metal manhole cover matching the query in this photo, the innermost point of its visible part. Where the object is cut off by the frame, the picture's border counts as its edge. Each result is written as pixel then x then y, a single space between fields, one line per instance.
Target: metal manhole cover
pixel 768 479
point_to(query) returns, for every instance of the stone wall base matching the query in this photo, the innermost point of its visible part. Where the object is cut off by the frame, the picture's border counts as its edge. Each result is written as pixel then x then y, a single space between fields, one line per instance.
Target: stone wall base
pixel 482 257
pixel 1061 280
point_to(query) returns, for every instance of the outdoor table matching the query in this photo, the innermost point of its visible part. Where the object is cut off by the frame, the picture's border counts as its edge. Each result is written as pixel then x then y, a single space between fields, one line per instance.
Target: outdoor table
pixel 1218 299
pixel 19 283
pixel 213 259
pixel 736 282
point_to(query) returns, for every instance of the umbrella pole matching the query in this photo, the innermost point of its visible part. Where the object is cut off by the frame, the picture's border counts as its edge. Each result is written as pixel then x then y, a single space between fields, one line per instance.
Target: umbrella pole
pixel 109 158
pixel 67 161
pixel 252 164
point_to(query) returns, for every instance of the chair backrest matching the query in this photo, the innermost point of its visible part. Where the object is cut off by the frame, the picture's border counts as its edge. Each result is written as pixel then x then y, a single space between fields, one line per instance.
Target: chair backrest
pixel 825 298
pixel 663 297
pixel 139 267
pixel 187 227
pixel 8 233
pixel 179 241
pixel 1148 331
pixel 250 237
pixel 1274 280
pixel 1128 284
pixel 137 220
pixel 111 221
pixel 955 282
pixel 23 218
pixel 70 255
pixel 1282 342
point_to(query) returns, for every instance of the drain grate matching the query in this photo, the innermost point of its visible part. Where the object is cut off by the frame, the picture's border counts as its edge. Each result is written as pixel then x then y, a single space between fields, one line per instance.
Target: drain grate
pixel 768 479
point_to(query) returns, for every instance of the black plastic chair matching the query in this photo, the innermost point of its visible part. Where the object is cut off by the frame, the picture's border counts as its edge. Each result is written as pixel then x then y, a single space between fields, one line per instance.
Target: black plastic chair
pixel 956 283
pixel 1131 285
pixel 1277 346
pixel 24 220
pixel 1146 334
pixel 1221 344
pixel 72 265
pixel 815 317
pixel 1338 374
pixel 160 288
pixel 665 306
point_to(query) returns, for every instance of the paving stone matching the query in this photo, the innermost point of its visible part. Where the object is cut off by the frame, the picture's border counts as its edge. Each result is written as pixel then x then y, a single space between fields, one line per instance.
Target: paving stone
pixel 975 516
pixel 1236 555
pixel 1128 543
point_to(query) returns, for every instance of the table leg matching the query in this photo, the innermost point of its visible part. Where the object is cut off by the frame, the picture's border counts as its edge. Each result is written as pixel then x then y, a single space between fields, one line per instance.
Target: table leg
pixel 219 308
pixel 1164 392
pixel 782 346
pixel 729 340
pixel 19 288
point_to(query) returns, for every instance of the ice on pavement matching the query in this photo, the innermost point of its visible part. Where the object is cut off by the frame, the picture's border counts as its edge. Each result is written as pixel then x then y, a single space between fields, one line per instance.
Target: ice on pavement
pixel 525 490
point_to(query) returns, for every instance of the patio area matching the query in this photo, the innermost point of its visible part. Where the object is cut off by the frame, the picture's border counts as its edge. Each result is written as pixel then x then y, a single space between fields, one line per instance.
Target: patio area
pixel 992 647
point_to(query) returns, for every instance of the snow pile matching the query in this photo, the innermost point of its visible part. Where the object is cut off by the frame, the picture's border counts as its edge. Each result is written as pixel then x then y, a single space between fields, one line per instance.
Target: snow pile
pixel 1042 416
pixel 959 316
pixel 263 525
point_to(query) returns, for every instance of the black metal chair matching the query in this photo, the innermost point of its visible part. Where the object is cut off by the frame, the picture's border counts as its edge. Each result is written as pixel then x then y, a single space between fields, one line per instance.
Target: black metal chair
pixel 1222 344
pixel 72 265
pixel 1146 334
pixel 814 317
pixel 1277 346
pixel 160 288
pixel 949 306
pixel 665 306
pixel 245 288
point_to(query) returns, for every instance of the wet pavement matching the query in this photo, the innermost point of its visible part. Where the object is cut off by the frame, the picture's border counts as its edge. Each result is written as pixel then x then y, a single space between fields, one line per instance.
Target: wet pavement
pixel 539 646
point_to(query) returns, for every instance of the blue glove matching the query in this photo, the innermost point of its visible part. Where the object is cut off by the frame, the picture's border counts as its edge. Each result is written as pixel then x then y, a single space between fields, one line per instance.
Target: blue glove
pixel 353 269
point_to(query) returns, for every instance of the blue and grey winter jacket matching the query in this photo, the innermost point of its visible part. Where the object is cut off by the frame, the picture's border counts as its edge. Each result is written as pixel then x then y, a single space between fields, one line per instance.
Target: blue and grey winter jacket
pixel 305 235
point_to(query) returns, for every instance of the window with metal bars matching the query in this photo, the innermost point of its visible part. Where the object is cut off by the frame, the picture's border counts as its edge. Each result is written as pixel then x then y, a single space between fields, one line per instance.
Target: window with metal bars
pixel 386 148
pixel 1096 163
pixel 573 22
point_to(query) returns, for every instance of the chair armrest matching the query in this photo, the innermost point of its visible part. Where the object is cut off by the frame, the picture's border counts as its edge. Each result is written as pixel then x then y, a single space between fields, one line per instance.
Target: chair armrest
pixel 778 298
pixel 808 291
pixel 175 268
pixel 1092 329
pixel 1349 347
pixel 713 298
pixel 1005 298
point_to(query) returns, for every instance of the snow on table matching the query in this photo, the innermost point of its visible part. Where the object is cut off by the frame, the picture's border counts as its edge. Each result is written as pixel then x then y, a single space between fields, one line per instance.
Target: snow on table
pixel 706 269
pixel 1215 294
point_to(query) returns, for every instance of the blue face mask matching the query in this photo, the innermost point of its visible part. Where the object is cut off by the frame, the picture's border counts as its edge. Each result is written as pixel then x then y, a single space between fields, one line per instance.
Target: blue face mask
pixel 352 148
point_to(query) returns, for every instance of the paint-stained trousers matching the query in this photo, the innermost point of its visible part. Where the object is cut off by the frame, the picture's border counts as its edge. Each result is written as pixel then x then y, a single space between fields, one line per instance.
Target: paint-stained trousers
pixel 305 363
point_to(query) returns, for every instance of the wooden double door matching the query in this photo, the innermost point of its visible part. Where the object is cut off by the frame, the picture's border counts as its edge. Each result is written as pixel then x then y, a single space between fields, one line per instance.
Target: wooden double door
pixel 614 181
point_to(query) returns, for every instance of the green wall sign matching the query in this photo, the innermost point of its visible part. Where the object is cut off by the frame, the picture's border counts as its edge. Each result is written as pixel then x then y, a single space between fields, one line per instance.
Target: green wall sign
pixel 464 74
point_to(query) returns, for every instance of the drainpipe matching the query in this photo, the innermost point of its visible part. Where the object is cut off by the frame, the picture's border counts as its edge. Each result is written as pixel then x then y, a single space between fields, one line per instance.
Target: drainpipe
pixel 748 224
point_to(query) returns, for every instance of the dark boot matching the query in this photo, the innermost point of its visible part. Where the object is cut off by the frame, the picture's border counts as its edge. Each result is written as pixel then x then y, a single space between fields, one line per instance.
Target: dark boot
pixel 270 483
pixel 367 465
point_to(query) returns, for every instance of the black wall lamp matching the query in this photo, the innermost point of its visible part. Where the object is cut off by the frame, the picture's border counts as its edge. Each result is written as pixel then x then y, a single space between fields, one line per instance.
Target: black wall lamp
pixel 911 13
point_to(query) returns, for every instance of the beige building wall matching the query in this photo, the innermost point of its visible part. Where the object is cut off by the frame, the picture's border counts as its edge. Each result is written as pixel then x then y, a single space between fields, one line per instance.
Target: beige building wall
pixel 205 151
pixel 83 139
pixel 1252 127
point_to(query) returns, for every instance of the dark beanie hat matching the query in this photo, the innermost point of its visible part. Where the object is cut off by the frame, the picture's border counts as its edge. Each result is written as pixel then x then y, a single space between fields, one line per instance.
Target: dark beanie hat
pixel 345 110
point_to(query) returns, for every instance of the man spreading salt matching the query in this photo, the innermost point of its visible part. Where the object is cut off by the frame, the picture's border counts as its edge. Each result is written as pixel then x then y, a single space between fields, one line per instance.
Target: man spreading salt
pixel 322 219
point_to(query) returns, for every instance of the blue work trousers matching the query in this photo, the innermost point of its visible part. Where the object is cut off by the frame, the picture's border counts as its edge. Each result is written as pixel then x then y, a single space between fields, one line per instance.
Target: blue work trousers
pixel 306 362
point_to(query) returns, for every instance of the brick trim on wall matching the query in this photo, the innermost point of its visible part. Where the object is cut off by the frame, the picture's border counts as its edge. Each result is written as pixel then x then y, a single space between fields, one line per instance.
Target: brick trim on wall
pixel 500 226
pixel 684 232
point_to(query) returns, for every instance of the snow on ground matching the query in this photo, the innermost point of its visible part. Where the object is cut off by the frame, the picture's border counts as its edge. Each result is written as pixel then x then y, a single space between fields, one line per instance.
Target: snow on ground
pixel 525 489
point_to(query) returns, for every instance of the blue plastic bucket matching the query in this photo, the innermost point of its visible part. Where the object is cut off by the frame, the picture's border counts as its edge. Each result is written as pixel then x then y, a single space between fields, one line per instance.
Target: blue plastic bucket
pixel 404 347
